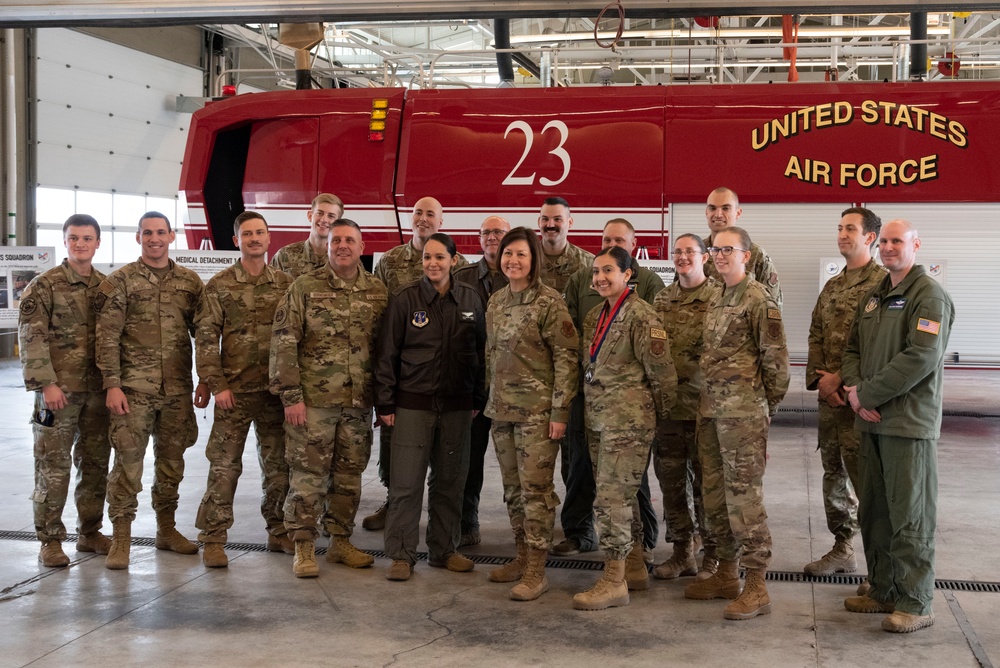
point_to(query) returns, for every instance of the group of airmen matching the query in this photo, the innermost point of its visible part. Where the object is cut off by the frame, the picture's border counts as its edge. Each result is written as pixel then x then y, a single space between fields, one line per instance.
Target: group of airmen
pixel 291 347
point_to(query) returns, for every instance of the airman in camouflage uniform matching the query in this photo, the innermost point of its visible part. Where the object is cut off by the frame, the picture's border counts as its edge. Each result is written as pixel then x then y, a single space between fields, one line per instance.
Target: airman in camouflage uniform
pixel 839 441
pixel 577 514
pixel 722 212
pixel 744 365
pixel 560 259
pixel 321 367
pixel 487 279
pixel 629 383
pixel 70 422
pixel 397 267
pixel 302 257
pixel 145 323
pixel 682 309
pixel 531 370
pixel 233 343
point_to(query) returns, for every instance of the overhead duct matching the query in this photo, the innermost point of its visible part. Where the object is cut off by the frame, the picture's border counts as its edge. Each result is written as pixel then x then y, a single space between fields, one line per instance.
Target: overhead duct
pixel 501 40
pixel 918 52
pixel 302 37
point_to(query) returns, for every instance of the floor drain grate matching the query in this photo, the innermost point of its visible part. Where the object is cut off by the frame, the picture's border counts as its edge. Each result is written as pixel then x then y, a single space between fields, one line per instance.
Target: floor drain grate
pixel 852 579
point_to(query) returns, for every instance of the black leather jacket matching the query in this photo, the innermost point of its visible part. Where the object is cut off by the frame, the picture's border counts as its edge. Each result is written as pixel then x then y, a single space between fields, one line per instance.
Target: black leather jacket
pixel 431 350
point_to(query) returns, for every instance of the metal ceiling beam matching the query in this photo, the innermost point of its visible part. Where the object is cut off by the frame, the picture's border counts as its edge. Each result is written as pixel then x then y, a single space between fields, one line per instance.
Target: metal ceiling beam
pixel 40 13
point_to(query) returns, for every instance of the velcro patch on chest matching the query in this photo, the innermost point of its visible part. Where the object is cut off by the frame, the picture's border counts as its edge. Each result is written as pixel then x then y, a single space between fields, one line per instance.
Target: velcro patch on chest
pixel 376 297
pixel 896 304
pixel 322 295
pixel 467 316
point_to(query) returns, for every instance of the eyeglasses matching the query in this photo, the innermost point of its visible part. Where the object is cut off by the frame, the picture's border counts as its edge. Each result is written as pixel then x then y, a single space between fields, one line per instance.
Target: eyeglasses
pixel 725 250
pixel 687 252
pixel 493 233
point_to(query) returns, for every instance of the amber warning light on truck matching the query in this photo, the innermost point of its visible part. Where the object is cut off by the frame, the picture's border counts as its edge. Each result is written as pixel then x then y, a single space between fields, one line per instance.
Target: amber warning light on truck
pixel 376 126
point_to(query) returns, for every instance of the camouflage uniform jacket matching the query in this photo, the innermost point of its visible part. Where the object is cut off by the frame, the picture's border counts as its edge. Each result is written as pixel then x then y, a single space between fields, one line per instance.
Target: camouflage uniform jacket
pixel 556 271
pixel 241 313
pixel 297 259
pixel 323 344
pixel 833 315
pixel 404 264
pixel 634 382
pixel 581 297
pixel 531 356
pixel 760 267
pixel 683 313
pixel 744 361
pixel 56 330
pixel 144 328
pixel 487 283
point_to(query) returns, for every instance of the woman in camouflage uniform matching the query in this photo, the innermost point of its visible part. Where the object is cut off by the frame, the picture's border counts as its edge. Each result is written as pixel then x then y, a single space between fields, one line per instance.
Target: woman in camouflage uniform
pixel 532 372
pixel 682 308
pixel 629 383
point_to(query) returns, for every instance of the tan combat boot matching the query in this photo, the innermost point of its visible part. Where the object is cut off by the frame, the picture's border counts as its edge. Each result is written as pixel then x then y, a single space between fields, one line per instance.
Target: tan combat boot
pixel 840 559
pixel 513 570
pixel 214 556
pixel 608 592
pixel 342 552
pixel 636 571
pixel 282 543
pixel 534 583
pixel 169 538
pixel 680 563
pixel 725 583
pixel 304 565
pixel 754 599
pixel 52 556
pixel 376 521
pixel 93 542
pixel 709 564
pixel 121 544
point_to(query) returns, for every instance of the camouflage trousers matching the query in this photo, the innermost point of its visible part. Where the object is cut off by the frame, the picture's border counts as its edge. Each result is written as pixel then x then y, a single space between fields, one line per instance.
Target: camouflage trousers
pixel 171 422
pixel 732 453
pixel 839 443
pixel 620 458
pixel 527 458
pixel 675 459
pixel 78 437
pixel 225 457
pixel 898 492
pixel 329 452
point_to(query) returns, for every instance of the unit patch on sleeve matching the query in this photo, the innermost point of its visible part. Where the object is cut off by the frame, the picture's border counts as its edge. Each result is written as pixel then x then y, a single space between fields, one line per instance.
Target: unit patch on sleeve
pixel 28 306
pixel 929 326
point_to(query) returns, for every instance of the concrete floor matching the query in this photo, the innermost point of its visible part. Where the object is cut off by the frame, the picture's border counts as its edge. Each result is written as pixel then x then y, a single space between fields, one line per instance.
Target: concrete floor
pixel 168 610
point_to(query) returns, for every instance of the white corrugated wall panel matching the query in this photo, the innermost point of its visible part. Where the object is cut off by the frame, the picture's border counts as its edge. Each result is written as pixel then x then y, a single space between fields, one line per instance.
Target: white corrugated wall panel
pixel 106 118
pixel 965 237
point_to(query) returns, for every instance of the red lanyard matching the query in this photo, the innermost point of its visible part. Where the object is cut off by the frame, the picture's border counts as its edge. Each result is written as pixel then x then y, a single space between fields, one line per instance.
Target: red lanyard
pixel 604 323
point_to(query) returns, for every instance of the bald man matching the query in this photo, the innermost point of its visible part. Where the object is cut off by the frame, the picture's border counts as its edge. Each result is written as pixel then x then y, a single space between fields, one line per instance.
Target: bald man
pixel 892 372
pixel 486 278
pixel 397 267
pixel 722 210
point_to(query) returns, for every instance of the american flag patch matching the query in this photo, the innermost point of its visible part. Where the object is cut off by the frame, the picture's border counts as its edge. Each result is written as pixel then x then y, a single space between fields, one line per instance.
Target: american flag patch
pixel 929 326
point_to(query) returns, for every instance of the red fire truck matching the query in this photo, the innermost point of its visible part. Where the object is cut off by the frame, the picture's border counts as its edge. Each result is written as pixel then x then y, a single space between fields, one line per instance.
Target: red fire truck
pixel 610 151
